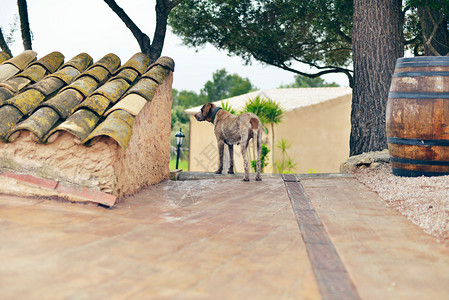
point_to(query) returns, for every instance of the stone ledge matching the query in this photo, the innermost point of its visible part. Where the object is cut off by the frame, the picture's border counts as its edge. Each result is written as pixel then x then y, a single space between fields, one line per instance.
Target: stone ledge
pixel 31 186
pixel 368 159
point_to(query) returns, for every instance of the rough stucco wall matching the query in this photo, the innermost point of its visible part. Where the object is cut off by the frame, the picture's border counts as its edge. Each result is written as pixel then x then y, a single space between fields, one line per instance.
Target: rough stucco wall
pixel 104 166
pixel 146 159
pixel 318 134
pixel 63 160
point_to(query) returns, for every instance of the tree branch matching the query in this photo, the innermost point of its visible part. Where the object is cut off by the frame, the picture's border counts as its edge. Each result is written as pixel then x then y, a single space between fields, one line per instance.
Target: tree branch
pixel 142 38
pixel 3 45
pixel 24 24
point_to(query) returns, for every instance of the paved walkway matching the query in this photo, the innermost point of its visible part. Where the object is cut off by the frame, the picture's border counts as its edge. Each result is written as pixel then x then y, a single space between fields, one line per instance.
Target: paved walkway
pixel 218 238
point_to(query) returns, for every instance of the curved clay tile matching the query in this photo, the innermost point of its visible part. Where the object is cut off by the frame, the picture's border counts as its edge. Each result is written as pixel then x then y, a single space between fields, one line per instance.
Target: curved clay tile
pixel 118 126
pixel 110 62
pixel 15 84
pixel 138 62
pixel 63 103
pixel 7 71
pixel 33 73
pixel 22 60
pixel 80 124
pixel 48 85
pixel 66 74
pixel 96 103
pixel 80 62
pixel 157 73
pixel 164 61
pixel 5 94
pixel 39 123
pixel 85 85
pixel 27 101
pixel 145 87
pixel 127 74
pixel 51 62
pixel 98 72
pixel 9 116
pixel 131 103
pixel 112 90
pixel 4 56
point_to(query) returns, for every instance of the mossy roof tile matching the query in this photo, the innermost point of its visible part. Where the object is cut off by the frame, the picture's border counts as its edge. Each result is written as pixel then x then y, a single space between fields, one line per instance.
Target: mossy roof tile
pixel 27 101
pixel 80 62
pixel 22 60
pixel 51 62
pixel 138 62
pixel 89 100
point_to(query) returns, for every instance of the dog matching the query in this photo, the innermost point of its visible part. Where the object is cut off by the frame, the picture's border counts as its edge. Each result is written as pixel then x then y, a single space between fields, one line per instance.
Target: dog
pixel 230 130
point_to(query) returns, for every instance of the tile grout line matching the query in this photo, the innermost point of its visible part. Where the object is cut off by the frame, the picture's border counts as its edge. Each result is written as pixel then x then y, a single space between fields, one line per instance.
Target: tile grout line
pixel 331 275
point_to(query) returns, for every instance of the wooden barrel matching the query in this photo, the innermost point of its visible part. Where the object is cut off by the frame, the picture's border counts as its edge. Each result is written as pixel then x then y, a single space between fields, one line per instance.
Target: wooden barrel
pixel 417 116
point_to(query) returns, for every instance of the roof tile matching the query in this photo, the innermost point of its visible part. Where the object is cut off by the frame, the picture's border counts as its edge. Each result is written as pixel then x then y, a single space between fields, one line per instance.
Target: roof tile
pixel 138 62
pixel 22 60
pixel 65 102
pixel 39 123
pixel 157 73
pixel 7 71
pixel 48 85
pixel 127 74
pixel 66 74
pixel 164 61
pixel 80 62
pixel 132 103
pixel 80 124
pixel 96 103
pixel 27 101
pixel 9 116
pixel 51 62
pixel 118 125
pixel 145 87
pixel 75 97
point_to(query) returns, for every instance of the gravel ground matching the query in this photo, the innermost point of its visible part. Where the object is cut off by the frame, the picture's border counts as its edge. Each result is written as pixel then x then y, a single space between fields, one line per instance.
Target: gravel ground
pixel 423 200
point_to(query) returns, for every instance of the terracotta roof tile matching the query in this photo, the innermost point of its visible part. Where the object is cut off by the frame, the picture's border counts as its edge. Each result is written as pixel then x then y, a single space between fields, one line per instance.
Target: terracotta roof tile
pixel 48 96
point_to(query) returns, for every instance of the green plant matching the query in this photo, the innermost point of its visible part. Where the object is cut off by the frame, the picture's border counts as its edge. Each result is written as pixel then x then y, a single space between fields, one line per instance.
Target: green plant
pixel 263 159
pixel 286 165
pixel 228 107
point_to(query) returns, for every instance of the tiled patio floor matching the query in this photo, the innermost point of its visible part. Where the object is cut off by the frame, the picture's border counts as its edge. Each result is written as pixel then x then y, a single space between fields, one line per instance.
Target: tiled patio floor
pixel 212 238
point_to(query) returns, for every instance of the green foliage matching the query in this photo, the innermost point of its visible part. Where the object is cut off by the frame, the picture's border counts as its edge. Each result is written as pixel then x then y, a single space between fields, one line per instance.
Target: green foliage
pixel 224 85
pixel 274 32
pixel 303 82
pixel 263 159
pixel 268 110
pixel 286 164
pixel 228 107
pixel 187 99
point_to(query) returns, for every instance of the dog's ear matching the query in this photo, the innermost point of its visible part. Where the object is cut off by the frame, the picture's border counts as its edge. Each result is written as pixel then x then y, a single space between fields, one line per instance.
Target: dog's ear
pixel 207 109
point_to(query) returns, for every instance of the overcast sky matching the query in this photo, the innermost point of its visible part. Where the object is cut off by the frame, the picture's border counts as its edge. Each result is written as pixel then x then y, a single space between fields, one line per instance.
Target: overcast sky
pixel 90 26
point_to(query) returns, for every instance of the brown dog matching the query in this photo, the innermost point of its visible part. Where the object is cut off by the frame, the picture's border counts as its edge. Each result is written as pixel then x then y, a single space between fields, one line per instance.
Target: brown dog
pixel 230 130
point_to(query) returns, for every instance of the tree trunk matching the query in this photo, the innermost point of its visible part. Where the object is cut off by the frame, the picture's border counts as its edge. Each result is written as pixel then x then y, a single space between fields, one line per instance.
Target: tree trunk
pixel 434 31
pixel 3 45
pixel 24 24
pixel 377 43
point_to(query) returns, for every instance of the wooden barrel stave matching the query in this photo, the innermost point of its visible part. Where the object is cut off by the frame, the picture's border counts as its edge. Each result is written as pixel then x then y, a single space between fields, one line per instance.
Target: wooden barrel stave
pixel 417 117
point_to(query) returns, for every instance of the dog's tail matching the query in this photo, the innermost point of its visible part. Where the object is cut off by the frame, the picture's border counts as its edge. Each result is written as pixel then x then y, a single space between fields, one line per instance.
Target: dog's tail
pixel 256 126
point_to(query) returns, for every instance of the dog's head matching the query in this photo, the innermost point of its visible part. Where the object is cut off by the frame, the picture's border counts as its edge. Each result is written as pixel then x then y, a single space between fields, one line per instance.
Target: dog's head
pixel 205 114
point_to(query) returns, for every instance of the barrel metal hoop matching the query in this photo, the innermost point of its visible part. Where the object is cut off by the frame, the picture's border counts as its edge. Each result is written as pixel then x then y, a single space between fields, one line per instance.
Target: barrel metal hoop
pixel 419 162
pixel 417 142
pixel 418 95
pixel 414 173
pixel 421 73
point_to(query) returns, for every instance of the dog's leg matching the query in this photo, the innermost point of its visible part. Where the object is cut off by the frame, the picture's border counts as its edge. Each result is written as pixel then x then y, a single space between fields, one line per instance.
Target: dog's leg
pixel 244 147
pixel 258 136
pixel 231 159
pixel 220 156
